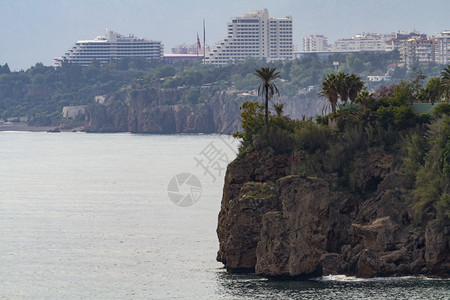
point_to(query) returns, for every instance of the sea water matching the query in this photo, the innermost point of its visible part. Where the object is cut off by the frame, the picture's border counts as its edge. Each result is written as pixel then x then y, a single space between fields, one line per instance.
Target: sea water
pixel 134 216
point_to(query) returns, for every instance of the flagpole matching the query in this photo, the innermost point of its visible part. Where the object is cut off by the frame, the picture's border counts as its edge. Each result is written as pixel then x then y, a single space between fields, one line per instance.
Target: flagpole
pixel 204 42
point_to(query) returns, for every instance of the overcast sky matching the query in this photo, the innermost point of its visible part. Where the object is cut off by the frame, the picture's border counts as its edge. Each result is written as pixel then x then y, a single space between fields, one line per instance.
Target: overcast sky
pixel 34 31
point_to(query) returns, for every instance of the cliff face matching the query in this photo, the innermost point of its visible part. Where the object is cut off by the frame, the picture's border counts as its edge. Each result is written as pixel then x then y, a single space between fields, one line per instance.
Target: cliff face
pixel 284 225
pixel 144 111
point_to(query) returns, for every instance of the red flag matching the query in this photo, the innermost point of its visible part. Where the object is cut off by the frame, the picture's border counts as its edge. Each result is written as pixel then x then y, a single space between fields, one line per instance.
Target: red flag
pixel 199 44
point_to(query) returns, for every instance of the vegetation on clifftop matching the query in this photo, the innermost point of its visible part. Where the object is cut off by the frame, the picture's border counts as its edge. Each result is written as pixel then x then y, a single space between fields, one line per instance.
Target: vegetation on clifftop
pixel 356 145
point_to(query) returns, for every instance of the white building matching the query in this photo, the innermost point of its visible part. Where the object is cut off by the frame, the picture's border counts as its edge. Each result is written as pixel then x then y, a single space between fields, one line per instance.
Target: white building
pixel 109 47
pixel 363 42
pixel 442 47
pixel 254 34
pixel 379 78
pixel 71 112
pixel 315 42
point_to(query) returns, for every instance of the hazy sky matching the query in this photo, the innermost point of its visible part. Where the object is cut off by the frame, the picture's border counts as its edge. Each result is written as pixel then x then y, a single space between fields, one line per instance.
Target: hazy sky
pixel 34 31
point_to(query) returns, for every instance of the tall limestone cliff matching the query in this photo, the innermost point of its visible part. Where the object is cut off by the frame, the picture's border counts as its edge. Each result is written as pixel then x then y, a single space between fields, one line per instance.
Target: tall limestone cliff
pixel 278 225
pixel 151 111
pixel 144 112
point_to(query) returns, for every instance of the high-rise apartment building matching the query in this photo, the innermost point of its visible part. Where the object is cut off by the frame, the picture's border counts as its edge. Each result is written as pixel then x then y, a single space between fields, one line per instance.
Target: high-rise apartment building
pixel 315 43
pixel 109 47
pixel 395 43
pixel 254 34
pixel 417 50
pixel 442 47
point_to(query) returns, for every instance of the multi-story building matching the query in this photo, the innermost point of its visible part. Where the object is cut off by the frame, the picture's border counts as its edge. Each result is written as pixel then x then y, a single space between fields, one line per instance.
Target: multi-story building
pixel 109 47
pixel 363 42
pixel 254 34
pixel 186 49
pixel 442 47
pixel 395 43
pixel 315 43
pixel 417 51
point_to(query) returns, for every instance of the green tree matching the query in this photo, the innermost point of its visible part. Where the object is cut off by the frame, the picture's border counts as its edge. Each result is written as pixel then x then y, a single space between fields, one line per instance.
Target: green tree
pixel 432 90
pixel 330 91
pixel 252 114
pixel 165 71
pixel 267 87
pixel 5 69
pixel 343 86
pixel 355 87
pixel 445 82
pixel 279 109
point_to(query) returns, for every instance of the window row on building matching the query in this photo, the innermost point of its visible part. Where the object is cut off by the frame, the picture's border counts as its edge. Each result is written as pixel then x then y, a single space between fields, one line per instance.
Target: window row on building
pixel 111 46
pixel 249 31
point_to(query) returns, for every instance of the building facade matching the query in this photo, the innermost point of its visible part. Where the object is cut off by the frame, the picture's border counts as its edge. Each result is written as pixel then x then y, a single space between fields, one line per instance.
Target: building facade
pixel 417 51
pixel 315 43
pixel 254 34
pixel 442 47
pixel 109 47
pixel 363 42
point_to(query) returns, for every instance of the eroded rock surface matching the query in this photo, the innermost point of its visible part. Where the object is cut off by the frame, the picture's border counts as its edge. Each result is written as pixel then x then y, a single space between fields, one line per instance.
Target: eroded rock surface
pixel 284 225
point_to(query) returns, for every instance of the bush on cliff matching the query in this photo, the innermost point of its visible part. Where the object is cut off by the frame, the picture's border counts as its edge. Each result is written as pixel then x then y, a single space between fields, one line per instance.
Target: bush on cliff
pixel 381 129
pixel 432 179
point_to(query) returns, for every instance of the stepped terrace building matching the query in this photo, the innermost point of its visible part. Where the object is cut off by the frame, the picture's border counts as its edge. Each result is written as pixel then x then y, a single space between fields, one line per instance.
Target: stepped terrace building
pixel 109 47
pixel 254 34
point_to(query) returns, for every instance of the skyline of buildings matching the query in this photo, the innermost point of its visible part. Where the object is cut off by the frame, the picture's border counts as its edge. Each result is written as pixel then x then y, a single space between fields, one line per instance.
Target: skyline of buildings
pixel 414 47
pixel 259 35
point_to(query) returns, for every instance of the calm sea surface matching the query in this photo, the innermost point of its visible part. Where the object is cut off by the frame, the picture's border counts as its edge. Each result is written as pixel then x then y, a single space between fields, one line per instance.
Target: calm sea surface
pixel 89 216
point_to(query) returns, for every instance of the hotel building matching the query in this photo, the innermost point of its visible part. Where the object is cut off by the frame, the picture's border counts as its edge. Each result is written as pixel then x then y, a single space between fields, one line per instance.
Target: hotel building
pixel 109 47
pixel 254 34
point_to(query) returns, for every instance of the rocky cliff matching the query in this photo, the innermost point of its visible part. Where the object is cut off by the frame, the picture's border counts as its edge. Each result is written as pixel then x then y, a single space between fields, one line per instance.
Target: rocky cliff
pixel 277 224
pixel 148 113
pixel 144 111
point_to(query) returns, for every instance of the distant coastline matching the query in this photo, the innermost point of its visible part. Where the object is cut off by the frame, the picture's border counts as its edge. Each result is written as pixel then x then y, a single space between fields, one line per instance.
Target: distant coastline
pixel 25 127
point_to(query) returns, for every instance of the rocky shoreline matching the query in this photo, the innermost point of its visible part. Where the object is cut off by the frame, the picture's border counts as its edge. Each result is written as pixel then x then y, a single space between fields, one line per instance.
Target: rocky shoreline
pixel 281 225
pixel 25 127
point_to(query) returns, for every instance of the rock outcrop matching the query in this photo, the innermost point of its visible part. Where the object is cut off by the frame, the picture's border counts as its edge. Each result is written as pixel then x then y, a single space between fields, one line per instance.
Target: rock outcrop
pixel 249 193
pixel 278 224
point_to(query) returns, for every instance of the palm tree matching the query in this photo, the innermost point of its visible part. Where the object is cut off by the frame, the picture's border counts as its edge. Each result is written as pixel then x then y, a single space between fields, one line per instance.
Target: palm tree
pixel 330 90
pixel 278 108
pixel 343 83
pixel 355 87
pixel 433 90
pixel 445 82
pixel 267 87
